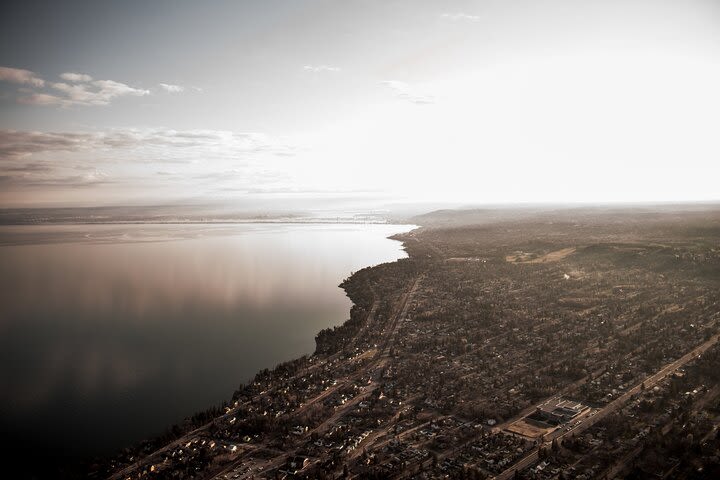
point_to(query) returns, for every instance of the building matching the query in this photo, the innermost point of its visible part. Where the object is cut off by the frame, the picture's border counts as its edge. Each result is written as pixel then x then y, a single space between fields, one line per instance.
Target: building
pixel 558 410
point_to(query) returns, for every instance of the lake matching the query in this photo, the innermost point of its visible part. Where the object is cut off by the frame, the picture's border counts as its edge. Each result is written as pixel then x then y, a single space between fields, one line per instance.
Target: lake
pixel 111 333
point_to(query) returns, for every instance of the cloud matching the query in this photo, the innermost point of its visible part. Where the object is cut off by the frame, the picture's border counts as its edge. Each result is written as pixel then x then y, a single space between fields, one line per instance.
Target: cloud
pixel 407 92
pixel 320 68
pixel 42 99
pixel 460 17
pixel 95 93
pixel 22 77
pixel 96 177
pixel 28 167
pixel 76 77
pixel 170 88
pixel 15 144
pixel 76 89
pixel 178 144
pixel 141 159
pixel 19 168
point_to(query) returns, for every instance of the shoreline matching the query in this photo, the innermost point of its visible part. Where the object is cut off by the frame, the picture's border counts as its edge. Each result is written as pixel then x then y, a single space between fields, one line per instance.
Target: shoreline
pixel 186 425
pixel 345 278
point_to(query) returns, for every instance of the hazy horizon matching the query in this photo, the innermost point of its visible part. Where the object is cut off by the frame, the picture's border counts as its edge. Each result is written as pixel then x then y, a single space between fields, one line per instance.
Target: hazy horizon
pixel 360 239
pixel 364 103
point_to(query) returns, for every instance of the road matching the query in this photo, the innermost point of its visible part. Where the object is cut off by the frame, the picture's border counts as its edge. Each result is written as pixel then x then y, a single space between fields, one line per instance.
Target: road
pixel 612 407
pixel 378 363
pixel 191 435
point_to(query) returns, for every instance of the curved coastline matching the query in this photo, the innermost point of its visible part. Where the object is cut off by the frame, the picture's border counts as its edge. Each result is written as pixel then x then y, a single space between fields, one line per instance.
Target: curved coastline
pixel 356 288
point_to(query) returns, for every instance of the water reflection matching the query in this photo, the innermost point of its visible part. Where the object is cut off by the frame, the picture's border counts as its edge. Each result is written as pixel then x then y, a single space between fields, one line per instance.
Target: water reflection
pixel 111 333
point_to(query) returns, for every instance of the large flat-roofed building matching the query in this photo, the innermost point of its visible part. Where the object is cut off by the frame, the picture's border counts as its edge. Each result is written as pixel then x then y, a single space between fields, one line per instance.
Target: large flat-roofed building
pixel 558 411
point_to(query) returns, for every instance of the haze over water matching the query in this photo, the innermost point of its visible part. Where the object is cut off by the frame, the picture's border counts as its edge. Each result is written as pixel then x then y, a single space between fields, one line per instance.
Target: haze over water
pixel 111 333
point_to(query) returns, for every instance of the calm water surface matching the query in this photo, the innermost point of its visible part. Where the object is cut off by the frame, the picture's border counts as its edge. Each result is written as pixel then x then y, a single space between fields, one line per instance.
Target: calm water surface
pixel 110 333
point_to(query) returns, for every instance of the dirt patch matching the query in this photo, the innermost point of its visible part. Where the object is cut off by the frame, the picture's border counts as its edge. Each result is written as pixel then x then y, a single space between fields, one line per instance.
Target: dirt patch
pixel 555 256
pixel 524 428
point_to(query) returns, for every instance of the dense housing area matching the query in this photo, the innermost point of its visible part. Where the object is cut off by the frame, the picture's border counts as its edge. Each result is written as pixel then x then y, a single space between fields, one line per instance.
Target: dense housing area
pixel 573 344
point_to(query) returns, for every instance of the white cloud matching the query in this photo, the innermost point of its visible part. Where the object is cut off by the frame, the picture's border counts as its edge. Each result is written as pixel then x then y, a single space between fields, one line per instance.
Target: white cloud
pixel 170 88
pixel 408 92
pixel 23 77
pixel 97 92
pixel 42 99
pixel 96 176
pixel 94 93
pixel 462 17
pixel 76 89
pixel 76 77
pixel 320 68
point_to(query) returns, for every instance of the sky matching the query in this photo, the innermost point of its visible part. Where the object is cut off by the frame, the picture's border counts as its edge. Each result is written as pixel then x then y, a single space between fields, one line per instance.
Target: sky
pixel 479 102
